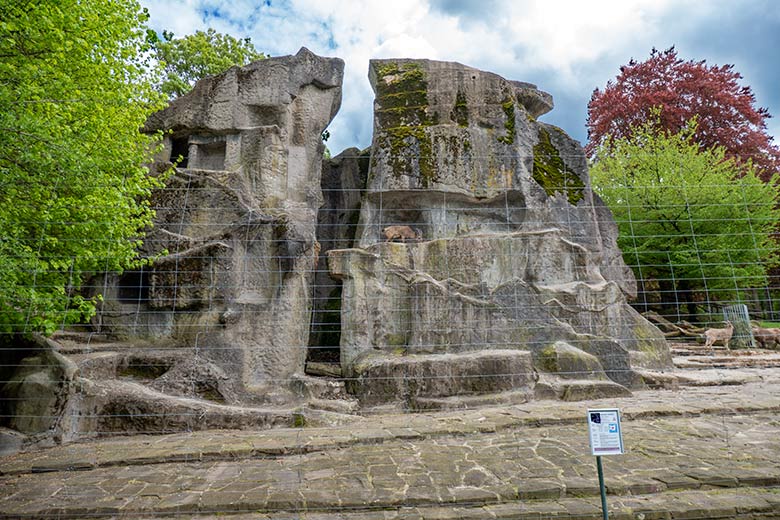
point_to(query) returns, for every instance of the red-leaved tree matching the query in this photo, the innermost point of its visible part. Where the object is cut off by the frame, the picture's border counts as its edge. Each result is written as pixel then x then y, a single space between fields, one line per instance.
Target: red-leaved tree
pixel 726 111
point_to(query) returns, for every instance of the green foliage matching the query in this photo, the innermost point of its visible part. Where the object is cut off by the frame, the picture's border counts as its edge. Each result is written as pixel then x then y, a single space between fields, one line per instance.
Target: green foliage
pixel 688 217
pixel 195 56
pixel 74 90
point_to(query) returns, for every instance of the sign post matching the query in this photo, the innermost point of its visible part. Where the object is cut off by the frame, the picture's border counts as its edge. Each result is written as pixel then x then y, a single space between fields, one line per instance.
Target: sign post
pixel 606 438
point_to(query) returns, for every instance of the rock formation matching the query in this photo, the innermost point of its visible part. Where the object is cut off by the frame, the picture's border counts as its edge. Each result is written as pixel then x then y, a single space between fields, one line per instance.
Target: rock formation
pixel 343 185
pixel 236 224
pixel 516 284
pixel 468 262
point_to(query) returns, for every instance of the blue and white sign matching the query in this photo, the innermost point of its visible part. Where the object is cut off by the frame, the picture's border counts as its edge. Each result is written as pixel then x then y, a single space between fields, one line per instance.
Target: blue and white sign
pixel 606 437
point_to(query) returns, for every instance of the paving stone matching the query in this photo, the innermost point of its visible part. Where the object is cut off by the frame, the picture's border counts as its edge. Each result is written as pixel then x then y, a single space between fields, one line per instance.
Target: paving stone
pixel 530 462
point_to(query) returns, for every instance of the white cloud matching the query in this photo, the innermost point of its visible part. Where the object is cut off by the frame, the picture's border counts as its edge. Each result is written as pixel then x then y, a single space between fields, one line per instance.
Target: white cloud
pixel 573 46
pixel 179 16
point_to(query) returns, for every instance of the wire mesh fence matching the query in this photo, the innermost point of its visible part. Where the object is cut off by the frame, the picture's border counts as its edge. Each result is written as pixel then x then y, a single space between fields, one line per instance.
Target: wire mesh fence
pixel 363 308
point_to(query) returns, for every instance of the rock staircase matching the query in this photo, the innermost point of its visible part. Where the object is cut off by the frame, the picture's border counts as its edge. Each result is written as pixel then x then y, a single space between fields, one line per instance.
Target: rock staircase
pixel 708 452
pixel 128 388
pixel 146 388
pixel 696 356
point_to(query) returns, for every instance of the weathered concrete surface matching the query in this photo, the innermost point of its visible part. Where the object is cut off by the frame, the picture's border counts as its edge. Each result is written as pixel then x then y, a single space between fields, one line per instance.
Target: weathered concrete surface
pixel 35 394
pixel 343 184
pixel 705 452
pixel 137 387
pixel 235 228
pixel 511 248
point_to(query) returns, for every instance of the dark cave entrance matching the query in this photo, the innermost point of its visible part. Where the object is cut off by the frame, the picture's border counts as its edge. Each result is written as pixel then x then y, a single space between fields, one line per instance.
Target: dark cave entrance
pixel 180 147
pixel 325 331
pixel 343 184
pixel 133 287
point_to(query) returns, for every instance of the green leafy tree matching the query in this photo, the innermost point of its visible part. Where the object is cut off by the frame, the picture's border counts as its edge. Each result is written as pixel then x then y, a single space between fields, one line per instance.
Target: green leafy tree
pixel 74 90
pixel 726 111
pixel 195 56
pixel 690 220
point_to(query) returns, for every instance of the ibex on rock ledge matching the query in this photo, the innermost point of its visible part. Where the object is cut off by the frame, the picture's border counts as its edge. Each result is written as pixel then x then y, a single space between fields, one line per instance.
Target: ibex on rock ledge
pixel 722 335
pixel 403 233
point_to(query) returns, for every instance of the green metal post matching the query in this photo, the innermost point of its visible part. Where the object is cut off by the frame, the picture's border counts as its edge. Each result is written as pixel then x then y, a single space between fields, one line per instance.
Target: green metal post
pixel 603 489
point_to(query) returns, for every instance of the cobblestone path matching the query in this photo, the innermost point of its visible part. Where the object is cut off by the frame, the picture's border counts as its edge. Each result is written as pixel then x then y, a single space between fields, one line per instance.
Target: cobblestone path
pixel 709 452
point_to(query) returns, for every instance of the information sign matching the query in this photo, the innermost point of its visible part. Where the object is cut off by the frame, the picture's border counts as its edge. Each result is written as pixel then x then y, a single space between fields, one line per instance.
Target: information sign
pixel 606 437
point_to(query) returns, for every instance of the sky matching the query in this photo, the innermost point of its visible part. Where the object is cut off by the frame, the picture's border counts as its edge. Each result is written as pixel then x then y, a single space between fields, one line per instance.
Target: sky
pixel 566 47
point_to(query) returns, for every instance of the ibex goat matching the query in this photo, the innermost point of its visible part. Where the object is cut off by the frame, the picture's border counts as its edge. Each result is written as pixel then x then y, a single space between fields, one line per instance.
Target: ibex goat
pixel 767 338
pixel 722 335
pixel 403 233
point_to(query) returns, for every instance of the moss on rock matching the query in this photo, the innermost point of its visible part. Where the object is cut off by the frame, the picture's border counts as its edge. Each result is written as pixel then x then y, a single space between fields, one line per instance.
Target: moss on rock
pixel 401 95
pixel 402 114
pixel 508 105
pixel 460 113
pixel 548 359
pixel 552 174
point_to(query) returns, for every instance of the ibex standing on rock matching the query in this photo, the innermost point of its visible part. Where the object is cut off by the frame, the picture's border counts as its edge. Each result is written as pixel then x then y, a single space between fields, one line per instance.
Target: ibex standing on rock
pixel 767 338
pixel 722 335
pixel 403 233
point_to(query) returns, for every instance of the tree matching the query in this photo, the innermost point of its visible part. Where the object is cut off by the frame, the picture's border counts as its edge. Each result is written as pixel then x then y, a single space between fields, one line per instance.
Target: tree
pixel 74 91
pixel 195 56
pixel 691 220
pixel 726 112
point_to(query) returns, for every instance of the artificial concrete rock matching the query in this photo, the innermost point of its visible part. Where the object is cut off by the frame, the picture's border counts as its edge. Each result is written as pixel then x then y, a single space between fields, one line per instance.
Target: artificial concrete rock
pixel 36 393
pixel 505 282
pixel 234 240
pixel 413 377
pixel 512 249
pixel 343 184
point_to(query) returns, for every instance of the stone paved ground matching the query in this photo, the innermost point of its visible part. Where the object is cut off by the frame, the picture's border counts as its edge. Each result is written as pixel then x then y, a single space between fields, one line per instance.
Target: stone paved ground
pixel 697 452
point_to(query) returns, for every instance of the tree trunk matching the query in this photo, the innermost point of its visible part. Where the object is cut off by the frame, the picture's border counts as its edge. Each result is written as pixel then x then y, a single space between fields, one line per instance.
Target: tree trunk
pixel 685 295
pixel 669 299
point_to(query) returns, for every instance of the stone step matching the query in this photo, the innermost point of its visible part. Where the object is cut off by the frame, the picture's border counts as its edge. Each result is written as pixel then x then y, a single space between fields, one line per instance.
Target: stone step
pixel 325 393
pixel 675 379
pixel 68 347
pixel 126 407
pixel 695 350
pixel 323 369
pixel 80 336
pixel 320 387
pixel 705 504
pixel 141 364
pixel 402 380
pixel 340 406
pixel 70 342
pixel 700 362
pixel 740 504
pixel 471 401
pixel 551 387
pixel 675 467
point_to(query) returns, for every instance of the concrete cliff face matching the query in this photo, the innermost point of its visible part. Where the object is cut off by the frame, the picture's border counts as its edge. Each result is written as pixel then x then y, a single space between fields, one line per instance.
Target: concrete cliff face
pixel 468 263
pixel 236 224
pixel 515 272
pixel 462 260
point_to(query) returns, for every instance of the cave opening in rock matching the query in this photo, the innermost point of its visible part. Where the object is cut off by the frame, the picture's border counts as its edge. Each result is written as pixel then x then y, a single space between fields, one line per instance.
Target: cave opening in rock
pixel 180 147
pixel 325 332
pixel 133 287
